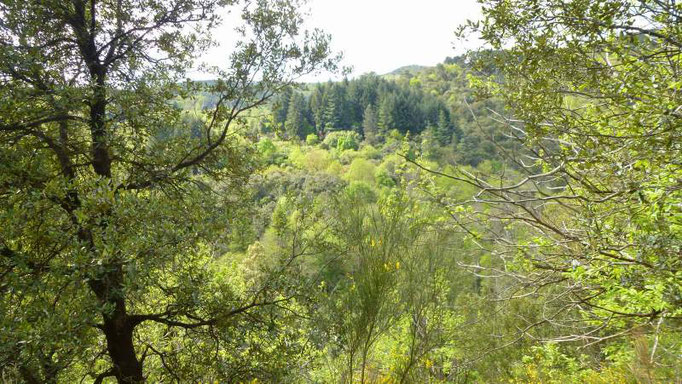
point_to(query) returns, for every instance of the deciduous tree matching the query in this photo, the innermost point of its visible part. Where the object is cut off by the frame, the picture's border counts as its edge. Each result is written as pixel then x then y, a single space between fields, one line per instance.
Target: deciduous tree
pixel 593 94
pixel 110 205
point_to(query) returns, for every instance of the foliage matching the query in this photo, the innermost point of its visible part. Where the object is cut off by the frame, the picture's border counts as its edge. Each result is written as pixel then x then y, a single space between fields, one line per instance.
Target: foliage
pixel 115 205
pixel 361 170
pixel 312 139
pixel 342 140
pixel 511 215
pixel 593 88
pixel 345 105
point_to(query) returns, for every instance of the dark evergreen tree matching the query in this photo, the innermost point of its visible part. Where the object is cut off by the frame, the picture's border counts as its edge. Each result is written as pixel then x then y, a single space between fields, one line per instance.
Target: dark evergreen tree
pixel 370 126
pixel 296 124
pixel 280 108
pixel 316 104
pixel 342 105
pixel 332 122
pixel 444 129
pixel 387 113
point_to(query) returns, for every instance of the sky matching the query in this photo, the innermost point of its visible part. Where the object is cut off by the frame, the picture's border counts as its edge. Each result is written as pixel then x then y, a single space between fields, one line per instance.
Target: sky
pixel 383 35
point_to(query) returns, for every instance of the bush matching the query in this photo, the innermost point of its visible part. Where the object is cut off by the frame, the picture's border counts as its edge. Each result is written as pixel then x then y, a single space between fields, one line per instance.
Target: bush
pixel 316 160
pixel 361 170
pixel 343 140
pixel 383 177
pixel 312 139
pixel 269 151
pixel 370 152
pixel 361 191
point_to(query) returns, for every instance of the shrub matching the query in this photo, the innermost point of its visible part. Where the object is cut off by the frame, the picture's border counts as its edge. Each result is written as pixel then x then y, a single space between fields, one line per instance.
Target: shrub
pixel 343 140
pixel 361 170
pixel 312 139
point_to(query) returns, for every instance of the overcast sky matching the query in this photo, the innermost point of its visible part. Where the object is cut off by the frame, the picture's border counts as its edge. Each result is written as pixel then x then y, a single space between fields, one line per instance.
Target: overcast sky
pixel 382 35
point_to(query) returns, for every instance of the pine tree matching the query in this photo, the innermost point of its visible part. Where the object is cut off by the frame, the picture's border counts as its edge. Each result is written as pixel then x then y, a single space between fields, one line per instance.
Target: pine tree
pixel 369 125
pixel 331 118
pixel 280 108
pixel 443 130
pixel 386 113
pixel 295 122
pixel 429 142
pixel 317 108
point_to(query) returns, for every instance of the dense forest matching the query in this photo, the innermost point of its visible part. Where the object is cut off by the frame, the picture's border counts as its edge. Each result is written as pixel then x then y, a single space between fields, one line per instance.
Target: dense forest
pixel 511 215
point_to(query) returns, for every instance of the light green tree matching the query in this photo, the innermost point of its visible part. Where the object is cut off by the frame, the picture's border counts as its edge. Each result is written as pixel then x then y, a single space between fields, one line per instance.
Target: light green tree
pixel 594 91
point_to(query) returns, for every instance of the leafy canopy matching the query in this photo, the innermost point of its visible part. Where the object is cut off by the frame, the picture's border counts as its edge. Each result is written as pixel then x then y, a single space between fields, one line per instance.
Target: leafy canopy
pixel 113 203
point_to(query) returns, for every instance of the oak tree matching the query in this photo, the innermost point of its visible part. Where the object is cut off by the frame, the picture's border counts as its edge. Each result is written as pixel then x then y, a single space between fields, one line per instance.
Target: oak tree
pixel 111 204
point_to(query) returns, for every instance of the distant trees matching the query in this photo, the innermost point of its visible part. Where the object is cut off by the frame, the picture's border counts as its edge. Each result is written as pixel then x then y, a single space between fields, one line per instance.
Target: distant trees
pixel 435 99
pixel 342 106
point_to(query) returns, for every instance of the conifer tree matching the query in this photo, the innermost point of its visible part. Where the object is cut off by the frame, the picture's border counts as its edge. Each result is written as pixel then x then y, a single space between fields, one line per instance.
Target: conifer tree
pixel 295 125
pixel 280 108
pixel 386 113
pixel 331 118
pixel 316 106
pixel 369 125
pixel 443 130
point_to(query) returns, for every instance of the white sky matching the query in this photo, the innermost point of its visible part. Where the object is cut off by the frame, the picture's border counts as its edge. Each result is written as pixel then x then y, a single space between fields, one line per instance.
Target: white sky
pixel 383 35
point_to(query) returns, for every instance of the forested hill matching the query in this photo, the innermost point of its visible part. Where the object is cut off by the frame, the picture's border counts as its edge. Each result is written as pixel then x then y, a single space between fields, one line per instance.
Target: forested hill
pixel 342 106
pixel 428 101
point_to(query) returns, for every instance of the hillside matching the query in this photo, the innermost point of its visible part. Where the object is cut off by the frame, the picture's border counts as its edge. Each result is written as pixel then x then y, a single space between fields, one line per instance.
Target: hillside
pixel 435 103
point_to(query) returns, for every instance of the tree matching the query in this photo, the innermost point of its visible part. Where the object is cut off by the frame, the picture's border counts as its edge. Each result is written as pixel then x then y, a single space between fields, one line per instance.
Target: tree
pixel 443 130
pixel 594 89
pixel 296 124
pixel 110 206
pixel 387 113
pixel 333 109
pixel 316 106
pixel 370 127
pixel 280 108
pixel 366 306
pixel 390 309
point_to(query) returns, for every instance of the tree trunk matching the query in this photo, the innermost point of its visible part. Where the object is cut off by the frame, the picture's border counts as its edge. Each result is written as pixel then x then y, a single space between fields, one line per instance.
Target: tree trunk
pixel 117 328
pixel 101 161
pixel 119 334
pixel 107 284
